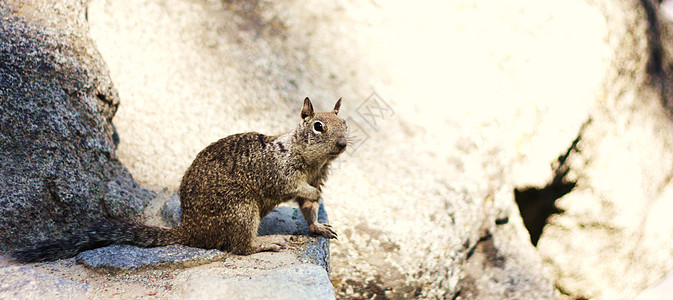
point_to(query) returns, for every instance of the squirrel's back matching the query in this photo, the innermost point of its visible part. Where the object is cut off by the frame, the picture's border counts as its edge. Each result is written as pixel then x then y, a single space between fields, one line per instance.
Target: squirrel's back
pixel 236 158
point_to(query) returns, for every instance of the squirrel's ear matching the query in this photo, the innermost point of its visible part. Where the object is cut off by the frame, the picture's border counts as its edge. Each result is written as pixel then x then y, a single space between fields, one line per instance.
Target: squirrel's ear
pixel 337 106
pixel 307 109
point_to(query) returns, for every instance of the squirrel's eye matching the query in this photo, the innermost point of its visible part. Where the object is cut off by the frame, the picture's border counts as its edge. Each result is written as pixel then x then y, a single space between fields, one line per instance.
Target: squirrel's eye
pixel 318 127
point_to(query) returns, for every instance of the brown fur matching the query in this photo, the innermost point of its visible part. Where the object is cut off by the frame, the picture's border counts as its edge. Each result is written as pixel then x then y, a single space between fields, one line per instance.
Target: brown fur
pixel 231 185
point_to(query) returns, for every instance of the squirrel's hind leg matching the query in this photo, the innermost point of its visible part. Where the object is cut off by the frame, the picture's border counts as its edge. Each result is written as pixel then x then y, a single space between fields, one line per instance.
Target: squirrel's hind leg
pixel 243 232
pixel 272 242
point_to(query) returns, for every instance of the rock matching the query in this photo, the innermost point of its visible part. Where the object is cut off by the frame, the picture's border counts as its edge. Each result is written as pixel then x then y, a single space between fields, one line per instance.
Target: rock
pixel 125 258
pixel 171 211
pixel 288 220
pixel 617 215
pixel 278 275
pixel 498 267
pixel 25 283
pixel 296 272
pixel 303 281
pixel 660 291
pixel 59 170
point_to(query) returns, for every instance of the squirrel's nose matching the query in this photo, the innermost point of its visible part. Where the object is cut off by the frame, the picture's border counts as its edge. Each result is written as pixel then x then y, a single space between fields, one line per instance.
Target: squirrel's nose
pixel 341 142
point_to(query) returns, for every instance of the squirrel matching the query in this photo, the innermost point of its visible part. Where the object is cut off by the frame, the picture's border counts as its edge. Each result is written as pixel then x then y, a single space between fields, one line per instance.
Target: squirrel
pixel 230 186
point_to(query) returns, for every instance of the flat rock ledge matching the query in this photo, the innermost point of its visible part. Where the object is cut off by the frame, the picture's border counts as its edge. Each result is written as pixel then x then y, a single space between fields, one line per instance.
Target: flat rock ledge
pixel 300 271
pixel 118 259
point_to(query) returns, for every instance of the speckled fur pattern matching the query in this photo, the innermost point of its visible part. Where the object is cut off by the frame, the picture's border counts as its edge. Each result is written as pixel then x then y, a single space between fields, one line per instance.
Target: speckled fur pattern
pixel 230 186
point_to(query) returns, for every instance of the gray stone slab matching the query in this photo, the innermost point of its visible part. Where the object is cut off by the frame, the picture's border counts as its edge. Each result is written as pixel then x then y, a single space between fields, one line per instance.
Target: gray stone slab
pixel 126 258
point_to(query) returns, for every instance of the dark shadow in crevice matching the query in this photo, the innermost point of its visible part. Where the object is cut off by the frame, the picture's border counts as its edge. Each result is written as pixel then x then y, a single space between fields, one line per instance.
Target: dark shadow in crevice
pixel 537 204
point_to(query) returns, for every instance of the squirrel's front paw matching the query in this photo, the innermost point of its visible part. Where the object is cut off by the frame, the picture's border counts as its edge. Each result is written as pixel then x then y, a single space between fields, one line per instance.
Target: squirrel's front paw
pixel 324 230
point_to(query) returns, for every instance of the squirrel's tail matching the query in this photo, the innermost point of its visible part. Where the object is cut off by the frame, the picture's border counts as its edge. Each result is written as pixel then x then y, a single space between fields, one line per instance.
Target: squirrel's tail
pixel 100 235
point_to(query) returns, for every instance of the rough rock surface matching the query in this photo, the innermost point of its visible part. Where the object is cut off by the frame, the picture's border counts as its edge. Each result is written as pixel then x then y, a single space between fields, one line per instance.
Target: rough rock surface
pixel 303 281
pixel 58 168
pixel 297 272
pixel 126 258
pixel 617 216
pixel 258 276
pixel 26 283
pixel 498 267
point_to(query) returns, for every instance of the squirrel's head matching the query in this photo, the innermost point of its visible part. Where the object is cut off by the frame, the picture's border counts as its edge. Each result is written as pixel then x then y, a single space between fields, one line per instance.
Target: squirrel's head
pixel 323 134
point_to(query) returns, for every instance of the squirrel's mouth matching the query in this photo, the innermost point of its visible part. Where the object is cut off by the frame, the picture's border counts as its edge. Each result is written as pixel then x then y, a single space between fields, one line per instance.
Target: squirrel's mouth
pixel 340 146
pixel 337 152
